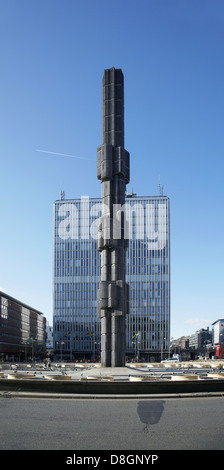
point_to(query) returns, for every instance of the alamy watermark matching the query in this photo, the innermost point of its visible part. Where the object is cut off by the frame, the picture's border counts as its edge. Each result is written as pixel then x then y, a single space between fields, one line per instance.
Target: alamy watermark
pixel 133 221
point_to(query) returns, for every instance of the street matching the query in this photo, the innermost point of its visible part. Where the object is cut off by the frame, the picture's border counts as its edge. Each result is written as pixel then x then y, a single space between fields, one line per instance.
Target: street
pixel 110 424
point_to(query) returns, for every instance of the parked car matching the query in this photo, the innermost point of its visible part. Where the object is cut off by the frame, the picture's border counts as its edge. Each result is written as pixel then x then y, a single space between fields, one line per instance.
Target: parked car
pixel 172 359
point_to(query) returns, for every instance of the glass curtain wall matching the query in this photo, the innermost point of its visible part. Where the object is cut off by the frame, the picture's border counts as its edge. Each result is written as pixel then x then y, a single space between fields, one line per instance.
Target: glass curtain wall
pixel 77 277
pixel 148 275
pixel 76 281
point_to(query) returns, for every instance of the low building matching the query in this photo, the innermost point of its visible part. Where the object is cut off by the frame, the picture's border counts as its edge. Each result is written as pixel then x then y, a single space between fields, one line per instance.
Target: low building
pixel 200 339
pixel 22 330
pixel 180 344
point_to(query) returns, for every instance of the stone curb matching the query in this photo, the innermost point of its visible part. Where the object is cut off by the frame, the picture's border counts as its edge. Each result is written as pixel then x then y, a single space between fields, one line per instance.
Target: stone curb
pixel 70 396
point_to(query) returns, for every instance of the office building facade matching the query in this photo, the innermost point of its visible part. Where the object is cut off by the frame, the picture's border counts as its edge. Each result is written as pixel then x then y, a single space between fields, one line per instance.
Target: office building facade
pixel 77 276
pixel 22 330
pixel 218 332
pixel 200 339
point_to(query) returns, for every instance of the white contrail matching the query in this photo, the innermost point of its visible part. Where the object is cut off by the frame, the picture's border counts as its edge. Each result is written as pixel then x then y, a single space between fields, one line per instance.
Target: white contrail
pixel 63 154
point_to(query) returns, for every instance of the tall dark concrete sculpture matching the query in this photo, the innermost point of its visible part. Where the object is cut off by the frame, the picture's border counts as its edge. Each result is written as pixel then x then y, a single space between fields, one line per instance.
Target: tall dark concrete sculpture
pixel 113 171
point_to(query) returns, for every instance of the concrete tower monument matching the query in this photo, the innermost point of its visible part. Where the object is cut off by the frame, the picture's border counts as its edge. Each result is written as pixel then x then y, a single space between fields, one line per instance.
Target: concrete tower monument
pixel 113 171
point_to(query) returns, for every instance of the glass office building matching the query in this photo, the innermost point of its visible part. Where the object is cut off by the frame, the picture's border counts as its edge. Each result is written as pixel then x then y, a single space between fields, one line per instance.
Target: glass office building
pixel 77 276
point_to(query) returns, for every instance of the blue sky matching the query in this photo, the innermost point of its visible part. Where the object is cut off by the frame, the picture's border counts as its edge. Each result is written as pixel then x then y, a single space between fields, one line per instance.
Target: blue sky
pixel 53 54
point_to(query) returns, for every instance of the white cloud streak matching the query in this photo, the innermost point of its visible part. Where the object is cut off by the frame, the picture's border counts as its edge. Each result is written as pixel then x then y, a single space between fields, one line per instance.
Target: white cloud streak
pixel 198 322
pixel 63 154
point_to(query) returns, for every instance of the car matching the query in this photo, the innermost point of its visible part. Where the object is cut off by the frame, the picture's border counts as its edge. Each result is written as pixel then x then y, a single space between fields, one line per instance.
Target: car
pixel 172 359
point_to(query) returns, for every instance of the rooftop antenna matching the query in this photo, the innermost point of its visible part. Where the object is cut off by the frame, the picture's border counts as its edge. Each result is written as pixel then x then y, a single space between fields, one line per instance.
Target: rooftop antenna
pixel 62 195
pixel 161 188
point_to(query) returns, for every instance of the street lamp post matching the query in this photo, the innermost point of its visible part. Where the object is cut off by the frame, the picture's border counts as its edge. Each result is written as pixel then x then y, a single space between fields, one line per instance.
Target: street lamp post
pixel 62 342
pixel 32 340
